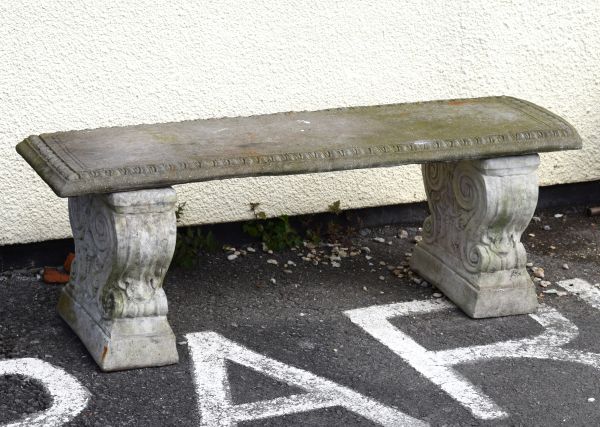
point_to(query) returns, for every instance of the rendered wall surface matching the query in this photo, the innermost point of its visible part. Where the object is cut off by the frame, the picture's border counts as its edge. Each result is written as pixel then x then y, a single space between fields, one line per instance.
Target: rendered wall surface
pixel 86 64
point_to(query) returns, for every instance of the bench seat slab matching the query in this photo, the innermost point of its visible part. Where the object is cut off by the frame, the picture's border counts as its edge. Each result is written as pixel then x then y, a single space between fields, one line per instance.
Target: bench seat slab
pixel 114 301
pixel 471 247
pixel 127 158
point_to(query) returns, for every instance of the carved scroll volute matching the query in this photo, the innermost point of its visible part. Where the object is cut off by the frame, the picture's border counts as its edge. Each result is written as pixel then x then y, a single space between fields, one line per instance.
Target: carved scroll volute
pixel 144 253
pixel 435 179
pixel 146 226
pixel 93 229
pixel 510 192
pixel 469 189
pixel 511 204
pixel 479 210
pixel 124 243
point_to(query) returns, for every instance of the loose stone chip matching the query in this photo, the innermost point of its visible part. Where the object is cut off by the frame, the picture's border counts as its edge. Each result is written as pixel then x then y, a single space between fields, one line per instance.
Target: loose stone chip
pixel 538 272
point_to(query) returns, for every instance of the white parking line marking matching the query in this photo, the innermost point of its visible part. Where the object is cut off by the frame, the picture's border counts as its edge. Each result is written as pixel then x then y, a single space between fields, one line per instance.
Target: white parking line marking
pixel 210 351
pixel 437 365
pixel 586 291
pixel 69 397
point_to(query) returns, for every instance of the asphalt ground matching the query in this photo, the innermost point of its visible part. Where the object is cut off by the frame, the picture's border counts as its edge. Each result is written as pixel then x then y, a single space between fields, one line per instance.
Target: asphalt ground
pixel 298 319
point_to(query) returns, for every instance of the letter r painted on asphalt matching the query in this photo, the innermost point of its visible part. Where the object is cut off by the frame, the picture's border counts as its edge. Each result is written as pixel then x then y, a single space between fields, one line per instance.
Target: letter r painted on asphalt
pixel 437 366
pixel 210 351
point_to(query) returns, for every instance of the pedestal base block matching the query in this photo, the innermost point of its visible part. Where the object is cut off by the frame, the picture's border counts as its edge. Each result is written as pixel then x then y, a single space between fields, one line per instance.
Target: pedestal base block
pixel 503 293
pixel 122 343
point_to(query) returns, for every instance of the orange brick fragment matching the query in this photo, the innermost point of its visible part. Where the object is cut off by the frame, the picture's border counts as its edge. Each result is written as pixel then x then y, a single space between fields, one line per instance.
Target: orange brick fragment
pixel 52 275
pixel 459 102
pixel 68 262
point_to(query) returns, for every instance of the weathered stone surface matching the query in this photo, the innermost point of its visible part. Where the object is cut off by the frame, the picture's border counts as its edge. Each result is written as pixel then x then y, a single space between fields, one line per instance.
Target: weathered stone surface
pixel 114 301
pixel 471 247
pixel 146 156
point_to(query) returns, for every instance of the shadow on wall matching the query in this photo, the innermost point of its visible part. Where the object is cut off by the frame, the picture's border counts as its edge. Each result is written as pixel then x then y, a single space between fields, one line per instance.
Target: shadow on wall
pixel 574 198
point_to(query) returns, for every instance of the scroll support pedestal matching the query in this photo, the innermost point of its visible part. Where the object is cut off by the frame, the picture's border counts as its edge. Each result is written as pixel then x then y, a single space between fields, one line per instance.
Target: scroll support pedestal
pixel 471 247
pixel 114 301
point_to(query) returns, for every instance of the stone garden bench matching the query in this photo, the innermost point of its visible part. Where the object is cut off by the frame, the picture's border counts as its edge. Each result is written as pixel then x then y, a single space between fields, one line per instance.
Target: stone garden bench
pixel 478 156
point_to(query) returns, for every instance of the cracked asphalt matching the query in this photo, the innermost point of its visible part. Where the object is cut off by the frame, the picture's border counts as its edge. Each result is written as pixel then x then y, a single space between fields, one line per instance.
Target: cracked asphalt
pixel 297 317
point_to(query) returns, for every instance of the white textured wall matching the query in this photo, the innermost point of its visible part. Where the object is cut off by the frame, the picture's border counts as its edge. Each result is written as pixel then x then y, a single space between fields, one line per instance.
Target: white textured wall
pixel 84 64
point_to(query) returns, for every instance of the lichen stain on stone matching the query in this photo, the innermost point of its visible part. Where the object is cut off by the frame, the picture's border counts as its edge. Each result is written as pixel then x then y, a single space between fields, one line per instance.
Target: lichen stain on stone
pixel 65 308
pixel 165 138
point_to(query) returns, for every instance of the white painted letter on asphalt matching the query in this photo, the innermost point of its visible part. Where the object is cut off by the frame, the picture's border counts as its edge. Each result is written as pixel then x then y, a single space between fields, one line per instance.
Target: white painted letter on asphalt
pixel 210 351
pixel 69 397
pixel 437 365
pixel 584 290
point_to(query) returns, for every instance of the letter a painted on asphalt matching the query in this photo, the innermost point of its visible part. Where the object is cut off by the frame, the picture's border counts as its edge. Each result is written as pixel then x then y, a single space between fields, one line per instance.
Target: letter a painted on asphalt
pixel 210 351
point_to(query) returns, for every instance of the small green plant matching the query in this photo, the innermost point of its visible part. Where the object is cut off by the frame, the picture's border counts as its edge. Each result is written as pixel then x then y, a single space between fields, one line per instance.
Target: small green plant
pixel 337 227
pixel 275 233
pixel 179 211
pixel 334 208
pixel 313 235
pixel 190 241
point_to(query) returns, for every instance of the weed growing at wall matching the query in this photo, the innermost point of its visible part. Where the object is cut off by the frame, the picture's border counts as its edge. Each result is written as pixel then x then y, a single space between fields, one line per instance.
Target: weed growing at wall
pixel 281 233
pixel 275 233
pixel 191 241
